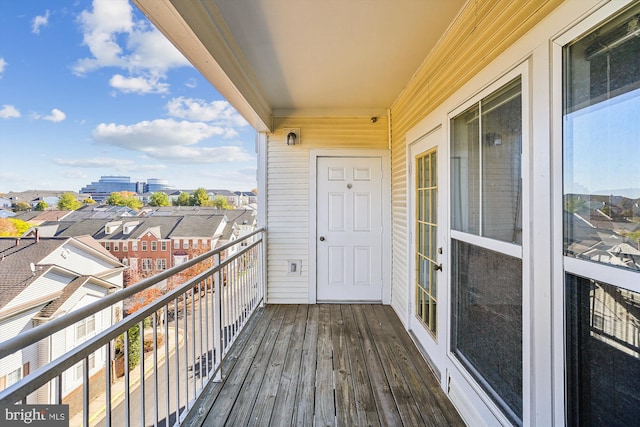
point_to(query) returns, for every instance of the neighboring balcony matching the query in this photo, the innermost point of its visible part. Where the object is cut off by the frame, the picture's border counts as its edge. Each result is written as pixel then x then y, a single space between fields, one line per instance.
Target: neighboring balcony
pixel 208 352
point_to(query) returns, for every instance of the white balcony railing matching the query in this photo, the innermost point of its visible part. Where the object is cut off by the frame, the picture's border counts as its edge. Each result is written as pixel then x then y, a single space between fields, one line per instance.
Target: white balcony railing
pixel 187 332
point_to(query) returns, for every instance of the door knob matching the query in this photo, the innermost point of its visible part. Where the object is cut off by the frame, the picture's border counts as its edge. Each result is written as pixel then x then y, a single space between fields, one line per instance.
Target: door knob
pixel 322 238
pixel 437 267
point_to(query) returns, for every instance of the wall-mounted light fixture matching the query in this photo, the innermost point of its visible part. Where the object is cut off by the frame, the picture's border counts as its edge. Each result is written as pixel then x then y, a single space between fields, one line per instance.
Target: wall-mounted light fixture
pixel 292 136
pixel 373 119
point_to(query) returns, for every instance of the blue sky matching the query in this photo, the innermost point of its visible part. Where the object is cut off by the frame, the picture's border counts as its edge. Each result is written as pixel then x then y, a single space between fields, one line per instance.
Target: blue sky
pixel 91 88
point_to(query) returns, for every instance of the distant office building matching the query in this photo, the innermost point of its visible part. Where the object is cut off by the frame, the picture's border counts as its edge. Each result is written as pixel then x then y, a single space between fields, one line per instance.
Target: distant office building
pixel 101 189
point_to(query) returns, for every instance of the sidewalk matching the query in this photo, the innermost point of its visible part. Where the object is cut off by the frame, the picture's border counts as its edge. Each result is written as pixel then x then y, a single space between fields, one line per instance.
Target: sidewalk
pixel 97 405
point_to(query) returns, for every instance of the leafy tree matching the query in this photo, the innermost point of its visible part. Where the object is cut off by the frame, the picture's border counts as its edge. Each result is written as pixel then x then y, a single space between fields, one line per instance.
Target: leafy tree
pixel 7 228
pixel 183 199
pixel 255 191
pixel 159 199
pixel 134 345
pixel 68 202
pixel 42 205
pixel 21 207
pixel 221 202
pixel 13 227
pixel 124 198
pixel 199 197
pixel 89 201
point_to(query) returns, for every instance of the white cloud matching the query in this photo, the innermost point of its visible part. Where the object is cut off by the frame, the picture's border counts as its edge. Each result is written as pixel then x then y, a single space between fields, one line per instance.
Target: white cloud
pixel 116 39
pixel 139 85
pixel 95 162
pixel 3 65
pixel 39 22
pixel 9 112
pixel 110 163
pixel 171 141
pixel 218 112
pixel 56 116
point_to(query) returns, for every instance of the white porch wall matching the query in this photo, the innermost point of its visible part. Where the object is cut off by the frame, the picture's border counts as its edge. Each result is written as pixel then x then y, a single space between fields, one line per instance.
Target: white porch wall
pixel 288 192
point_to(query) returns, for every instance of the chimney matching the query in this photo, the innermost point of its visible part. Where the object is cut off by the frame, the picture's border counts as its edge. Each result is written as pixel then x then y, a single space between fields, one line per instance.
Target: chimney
pixel 18 241
pixel 37 235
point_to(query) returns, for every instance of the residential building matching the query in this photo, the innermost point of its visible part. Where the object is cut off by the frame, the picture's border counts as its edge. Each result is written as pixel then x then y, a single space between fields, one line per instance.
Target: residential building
pixel 420 154
pixel 42 279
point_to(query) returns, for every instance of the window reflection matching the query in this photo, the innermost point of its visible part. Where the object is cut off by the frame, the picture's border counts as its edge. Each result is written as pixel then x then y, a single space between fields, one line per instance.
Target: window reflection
pixel 602 145
pixel 603 349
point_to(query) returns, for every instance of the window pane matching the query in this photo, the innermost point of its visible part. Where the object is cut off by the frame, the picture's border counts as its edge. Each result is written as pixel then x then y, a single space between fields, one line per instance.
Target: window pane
pixel 486 165
pixel 603 354
pixel 465 172
pixel 487 322
pixel 602 145
pixel 501 164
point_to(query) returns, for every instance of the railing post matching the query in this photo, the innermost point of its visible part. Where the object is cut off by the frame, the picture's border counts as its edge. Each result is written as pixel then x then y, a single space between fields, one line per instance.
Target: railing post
pixel 263 267
pixel 217 312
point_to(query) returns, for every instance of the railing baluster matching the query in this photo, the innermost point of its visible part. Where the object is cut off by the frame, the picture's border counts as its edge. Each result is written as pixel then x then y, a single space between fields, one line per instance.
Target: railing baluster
pixel 155 368
pixel 206 325
pixel 177 357
pixel 142 381
pixel 193 342
pixel 85 391
pixel 127 381
pixel 186 349
pixel 165 318
pixel 200 351
pixel 217 312
pixel 107 376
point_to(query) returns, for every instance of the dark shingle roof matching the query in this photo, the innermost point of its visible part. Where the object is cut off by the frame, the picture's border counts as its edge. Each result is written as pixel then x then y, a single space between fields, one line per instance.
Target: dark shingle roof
pixel 197 226
pixel 15 260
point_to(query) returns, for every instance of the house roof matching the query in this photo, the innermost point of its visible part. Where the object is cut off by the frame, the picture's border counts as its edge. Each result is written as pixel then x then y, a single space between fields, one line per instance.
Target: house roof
pixel 283 57
pixel 17 255
pixel 197 226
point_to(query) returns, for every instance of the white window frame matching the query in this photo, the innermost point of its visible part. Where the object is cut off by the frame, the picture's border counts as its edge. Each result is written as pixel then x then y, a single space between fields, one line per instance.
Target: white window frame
pixel 147 264
pixel 618 277
pixel 134 245
pixel 154 246
pixel 144 246
pixel 521 251
pixel 163 246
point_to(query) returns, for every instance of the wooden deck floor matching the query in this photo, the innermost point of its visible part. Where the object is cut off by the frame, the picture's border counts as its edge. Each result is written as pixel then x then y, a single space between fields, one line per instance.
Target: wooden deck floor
pixel 325 365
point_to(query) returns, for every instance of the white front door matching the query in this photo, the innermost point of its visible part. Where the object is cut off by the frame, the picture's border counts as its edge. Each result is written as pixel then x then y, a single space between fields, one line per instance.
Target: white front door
pixel 428 311
pixel 349 229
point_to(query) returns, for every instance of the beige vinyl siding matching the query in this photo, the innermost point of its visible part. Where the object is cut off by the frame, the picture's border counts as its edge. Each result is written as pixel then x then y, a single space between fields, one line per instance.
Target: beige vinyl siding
pixel 288 180
pixel 482 31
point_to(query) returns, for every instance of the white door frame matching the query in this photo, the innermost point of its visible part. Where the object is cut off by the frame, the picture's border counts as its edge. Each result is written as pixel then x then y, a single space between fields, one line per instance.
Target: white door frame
pixel 436 348
pixel 385 157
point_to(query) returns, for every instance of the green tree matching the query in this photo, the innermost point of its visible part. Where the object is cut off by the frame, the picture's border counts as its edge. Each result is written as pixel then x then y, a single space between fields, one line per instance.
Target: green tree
pixel 124 198
pixel 183 200
pixel 68 202
pixel 199 197
pixel 134 345
pixel 42 205
pixel 159 199
pixel 21 207
pixel 89 201
pixel 221 202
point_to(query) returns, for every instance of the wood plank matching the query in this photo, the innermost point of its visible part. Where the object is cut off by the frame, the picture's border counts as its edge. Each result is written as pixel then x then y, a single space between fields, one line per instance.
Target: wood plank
pixel 222 406
pixel 284 407
pixel 367 415
pixel 324 399
pixel 246 397
pixel 306 390
pixel 239 348
pixel 345 401
pixel 409 412
pixel 385 403
pixel 266 396
pixel 436 409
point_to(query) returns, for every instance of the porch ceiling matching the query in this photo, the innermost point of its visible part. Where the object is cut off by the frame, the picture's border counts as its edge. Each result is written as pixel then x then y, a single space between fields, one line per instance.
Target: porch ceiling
pixel 303 57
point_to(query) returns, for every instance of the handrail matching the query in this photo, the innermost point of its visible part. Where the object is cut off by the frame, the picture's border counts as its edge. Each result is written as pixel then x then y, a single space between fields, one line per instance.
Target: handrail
pixel 220 273
pixel 16 343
